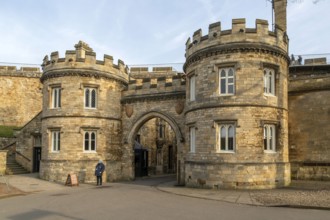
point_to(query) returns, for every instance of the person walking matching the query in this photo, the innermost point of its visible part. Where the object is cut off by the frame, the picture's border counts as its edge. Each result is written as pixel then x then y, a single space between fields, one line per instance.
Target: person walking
pixel 99 169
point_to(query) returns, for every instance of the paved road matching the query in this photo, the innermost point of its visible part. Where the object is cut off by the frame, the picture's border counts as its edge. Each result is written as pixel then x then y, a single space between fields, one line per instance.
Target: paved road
pixel 136 200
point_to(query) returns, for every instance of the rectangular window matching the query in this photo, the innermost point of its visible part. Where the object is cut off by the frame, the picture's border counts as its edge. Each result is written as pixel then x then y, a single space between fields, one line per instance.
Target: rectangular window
pixel 226 137
pixel 227 81
pixel 269 81
pixel 192 84
pixel 90 97
pixel 56 97
pixel 90 141
pixel 192 136
pixel 269 138
pixel 161 129
pixel 138 138
pixel 56 140
pixel 37 141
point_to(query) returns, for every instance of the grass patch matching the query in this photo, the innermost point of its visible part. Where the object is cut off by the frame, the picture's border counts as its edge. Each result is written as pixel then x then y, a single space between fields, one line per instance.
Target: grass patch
pixel 7 131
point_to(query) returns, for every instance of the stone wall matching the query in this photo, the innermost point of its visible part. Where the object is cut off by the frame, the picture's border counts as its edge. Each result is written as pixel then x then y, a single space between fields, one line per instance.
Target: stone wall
pixel 138 108
pixel 24 89
pixel 58 170
pixel 310 171
pixel 3 161
pixel 6 141
pixel 248 52
pixel 26 142
pixel 158 147
pixel 309 116
pixel 72 74
pixel 236 175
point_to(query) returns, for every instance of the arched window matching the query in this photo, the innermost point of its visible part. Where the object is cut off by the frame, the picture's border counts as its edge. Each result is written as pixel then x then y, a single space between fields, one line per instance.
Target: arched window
pixel 56 97
pixel 90 97
pixel 86 141
pixel 87 96
pixel 227 137
pixel 227 81
pixel 230 138
pixel 192 136
pixel 269 138
pixel 192 87
pixel 93 141
pixel 90 141
pixel 93 98
pixel 56 140
pixel 269 81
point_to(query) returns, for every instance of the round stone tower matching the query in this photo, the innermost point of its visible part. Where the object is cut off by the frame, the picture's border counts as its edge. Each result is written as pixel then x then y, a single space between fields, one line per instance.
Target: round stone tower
pixel 81 118
pixel 236 107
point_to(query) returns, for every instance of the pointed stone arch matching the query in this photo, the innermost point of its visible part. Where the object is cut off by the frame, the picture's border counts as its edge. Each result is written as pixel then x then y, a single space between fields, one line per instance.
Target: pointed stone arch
pixel 139 122
pixel 175 121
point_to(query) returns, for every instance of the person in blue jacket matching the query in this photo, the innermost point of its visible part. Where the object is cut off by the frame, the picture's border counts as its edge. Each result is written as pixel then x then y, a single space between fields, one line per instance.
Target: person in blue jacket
pixel 99 169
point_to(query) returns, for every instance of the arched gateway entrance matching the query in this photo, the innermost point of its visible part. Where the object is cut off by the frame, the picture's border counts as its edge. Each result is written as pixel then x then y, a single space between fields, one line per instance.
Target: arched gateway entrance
pixel 165 156
pixel 148 97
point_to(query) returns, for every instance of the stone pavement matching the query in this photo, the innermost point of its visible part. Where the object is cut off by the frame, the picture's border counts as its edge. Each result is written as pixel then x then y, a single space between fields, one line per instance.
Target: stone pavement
pixel 30 183
pixel 233 196
pixel 301 194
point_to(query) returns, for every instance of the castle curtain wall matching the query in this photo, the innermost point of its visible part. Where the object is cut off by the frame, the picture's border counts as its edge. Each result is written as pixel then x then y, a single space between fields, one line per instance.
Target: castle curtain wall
pixel 20 95
pixel 309 116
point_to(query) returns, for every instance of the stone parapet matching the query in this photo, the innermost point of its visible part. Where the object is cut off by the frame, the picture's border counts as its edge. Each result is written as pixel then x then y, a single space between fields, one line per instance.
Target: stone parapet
pixel 156 72
pixel 239 37
pixel 152 86
pixel 84 60
pixel 27 72
pixel 305 78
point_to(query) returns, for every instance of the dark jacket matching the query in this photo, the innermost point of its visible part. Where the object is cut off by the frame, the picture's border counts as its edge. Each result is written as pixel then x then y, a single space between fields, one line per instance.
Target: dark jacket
pixel 99 169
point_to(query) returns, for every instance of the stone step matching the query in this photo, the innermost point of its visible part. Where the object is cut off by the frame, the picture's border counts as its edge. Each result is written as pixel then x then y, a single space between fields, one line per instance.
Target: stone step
pixel 14 168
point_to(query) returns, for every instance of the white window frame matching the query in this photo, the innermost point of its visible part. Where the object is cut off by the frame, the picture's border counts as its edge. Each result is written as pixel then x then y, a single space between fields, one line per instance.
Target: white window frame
pixel 228 80
pixel 225 147
pixel 192 88
pixel 88 148
pixel 56 140
pixel 269 81
pixel 192 139
pixel 269 138
pixel 56 97
pixel 88 104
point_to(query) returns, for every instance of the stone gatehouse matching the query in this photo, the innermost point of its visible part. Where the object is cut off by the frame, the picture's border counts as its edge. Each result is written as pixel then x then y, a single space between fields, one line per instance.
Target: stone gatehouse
pixel 242 115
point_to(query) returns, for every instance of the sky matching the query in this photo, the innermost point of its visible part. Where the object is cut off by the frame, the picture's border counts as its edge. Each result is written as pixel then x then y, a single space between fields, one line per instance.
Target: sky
pixel 144 31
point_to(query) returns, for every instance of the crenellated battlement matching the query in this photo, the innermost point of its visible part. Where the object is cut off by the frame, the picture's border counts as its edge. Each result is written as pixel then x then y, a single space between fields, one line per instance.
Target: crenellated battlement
pixel 144 72
pixel 155 85
pixel 240 35
pixel 32 72
pixel 84 59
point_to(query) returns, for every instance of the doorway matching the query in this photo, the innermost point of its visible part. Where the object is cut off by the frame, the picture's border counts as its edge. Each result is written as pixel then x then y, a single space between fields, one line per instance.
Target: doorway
pixel 36 159
pixel 141 162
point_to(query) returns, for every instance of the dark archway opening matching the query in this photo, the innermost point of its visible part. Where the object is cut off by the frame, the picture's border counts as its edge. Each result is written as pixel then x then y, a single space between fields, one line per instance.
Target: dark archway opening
pixel 155 149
